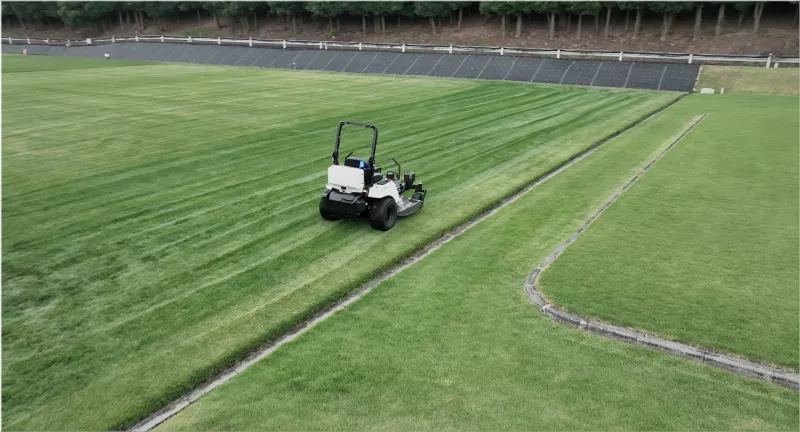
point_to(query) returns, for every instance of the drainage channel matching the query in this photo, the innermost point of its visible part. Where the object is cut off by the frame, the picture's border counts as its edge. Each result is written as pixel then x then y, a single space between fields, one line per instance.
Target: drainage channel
pixel 734 364
pixel 160 416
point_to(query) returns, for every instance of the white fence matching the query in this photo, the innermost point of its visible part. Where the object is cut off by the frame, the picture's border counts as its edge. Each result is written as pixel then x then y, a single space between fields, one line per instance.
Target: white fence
pixel 766 60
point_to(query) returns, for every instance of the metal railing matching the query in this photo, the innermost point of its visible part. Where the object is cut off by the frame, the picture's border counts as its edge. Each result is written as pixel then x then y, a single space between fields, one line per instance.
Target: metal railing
pixel 767 60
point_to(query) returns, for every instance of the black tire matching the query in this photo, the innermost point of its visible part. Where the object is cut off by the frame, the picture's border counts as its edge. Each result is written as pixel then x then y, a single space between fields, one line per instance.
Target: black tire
pixel 324 212
pixel 383 214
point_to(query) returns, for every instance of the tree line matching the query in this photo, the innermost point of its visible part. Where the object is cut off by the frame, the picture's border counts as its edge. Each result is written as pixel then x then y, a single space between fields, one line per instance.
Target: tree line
pixel 561 16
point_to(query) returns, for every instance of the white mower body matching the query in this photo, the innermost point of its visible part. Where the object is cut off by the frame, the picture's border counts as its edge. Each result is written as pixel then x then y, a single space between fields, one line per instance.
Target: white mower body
pixel 346 179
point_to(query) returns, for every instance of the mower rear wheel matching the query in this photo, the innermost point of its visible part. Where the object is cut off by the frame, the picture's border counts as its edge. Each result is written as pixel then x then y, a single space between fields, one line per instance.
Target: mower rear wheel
pixel 383 214
pixel 324 212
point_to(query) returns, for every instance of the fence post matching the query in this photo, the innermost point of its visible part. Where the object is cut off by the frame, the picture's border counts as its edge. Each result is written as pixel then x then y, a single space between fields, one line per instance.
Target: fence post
pixel 501 50
pixel 137 38
pixel 326 46
pixel 29 41
pixel 691 56
pixel 251 41
pixel 113 40
pixel 88 41
pixel 558 53
pixel 620 56
pixel 320 44
pixel 403 48
pixel 359 46
pixel 189 39
pixel 450 50
pixel 776 65
pixel 10 42
pixel 47 41
pixel 284 44
pixel 219 40
pixel 769 59
pixel 162 38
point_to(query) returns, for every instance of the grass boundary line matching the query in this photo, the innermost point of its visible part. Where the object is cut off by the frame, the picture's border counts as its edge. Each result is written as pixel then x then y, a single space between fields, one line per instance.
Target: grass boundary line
pixel 731 363
pixel 161 415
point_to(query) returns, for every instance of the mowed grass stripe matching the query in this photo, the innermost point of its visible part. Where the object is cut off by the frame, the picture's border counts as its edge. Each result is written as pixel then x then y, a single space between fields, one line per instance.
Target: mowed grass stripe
pixel 453 343
pixel 706 242
pixel 154 249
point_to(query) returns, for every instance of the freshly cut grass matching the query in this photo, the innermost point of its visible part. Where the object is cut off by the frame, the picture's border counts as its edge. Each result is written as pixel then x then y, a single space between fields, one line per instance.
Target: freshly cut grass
pixel 751 79
pixel 452 342
pixel 161 221
pixel 18 63
pixel 704 247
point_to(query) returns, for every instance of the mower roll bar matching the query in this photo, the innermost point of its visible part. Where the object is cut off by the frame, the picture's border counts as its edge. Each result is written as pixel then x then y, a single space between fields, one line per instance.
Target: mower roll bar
pixel 338 137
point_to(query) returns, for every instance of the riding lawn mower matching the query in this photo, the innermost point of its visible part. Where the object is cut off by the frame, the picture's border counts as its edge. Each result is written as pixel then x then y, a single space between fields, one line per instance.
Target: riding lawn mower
pixel 357 187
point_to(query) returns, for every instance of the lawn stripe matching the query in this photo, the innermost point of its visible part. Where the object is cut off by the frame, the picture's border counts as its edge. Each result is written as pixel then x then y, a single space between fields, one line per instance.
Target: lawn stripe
pixel 741 366
pixel 178 405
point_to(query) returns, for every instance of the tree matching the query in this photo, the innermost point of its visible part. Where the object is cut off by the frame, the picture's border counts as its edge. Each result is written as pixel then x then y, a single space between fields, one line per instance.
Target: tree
pixel 289 9
pixel 584 8
pixel 639 8
pixel 742 8
pixel 698 19
pixel 159 10
pixel 608 6
pixel 668 9
pixel 500 8
pixel 757 11
pixel 459 6
pixel 432 10
pixel 381 9
pixel 215 9
pixel 550 9
pixel 720 20
pixel 327 9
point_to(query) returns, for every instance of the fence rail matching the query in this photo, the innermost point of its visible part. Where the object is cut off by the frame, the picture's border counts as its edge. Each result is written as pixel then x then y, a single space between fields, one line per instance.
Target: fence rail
pixel 767 60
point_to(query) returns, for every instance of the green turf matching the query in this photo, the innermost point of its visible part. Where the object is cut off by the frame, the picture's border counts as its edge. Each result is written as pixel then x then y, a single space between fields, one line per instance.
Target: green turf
pixel 160 221
pixel 750 79
pixel 453 343
pixel 704 247
pixel 34 63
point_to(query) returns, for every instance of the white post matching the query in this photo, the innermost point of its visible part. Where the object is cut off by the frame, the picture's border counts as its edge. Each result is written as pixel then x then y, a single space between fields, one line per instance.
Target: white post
pixel 112 40
pixel 10 42
pixel 250 41
pixel 162 38
pixel 137 38
pixel 403 48
pixel 359 46
pixel 776 65
pixel 691 56
pixel 769 59
pixel 47 41
pixel 29 41
pixel 326 46
pixel 450 50
pixel 284 44
pixel 190 39
pixel 219 41
pixel 558 53
pixel 722 90
pixel 501 50
pixel 88 41
pixel 320 44
pixel 620 56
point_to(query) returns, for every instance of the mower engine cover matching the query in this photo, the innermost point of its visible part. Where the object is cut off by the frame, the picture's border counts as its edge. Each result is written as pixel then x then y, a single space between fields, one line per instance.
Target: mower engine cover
pixel 346 179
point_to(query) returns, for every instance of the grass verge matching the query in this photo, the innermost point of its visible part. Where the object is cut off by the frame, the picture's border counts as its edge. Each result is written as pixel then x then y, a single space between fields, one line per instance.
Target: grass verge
pixel 452 342
pixel 751 79
pixel 706 242
pixel 13 63
pixel 161 221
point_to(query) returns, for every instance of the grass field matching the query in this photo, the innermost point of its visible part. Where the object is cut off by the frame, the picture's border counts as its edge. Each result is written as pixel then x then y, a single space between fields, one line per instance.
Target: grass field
pixel 161 220
pixel 704 247
pixel 452 342
pixel 751 79
pixel 12 63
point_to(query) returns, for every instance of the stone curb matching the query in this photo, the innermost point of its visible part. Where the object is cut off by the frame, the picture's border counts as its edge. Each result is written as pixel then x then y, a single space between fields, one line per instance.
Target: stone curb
pixel 786 378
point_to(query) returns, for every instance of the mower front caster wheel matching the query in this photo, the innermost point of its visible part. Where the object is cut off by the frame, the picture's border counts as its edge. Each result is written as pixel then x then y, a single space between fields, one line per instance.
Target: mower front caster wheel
pixel 324 212
pixel 383 214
